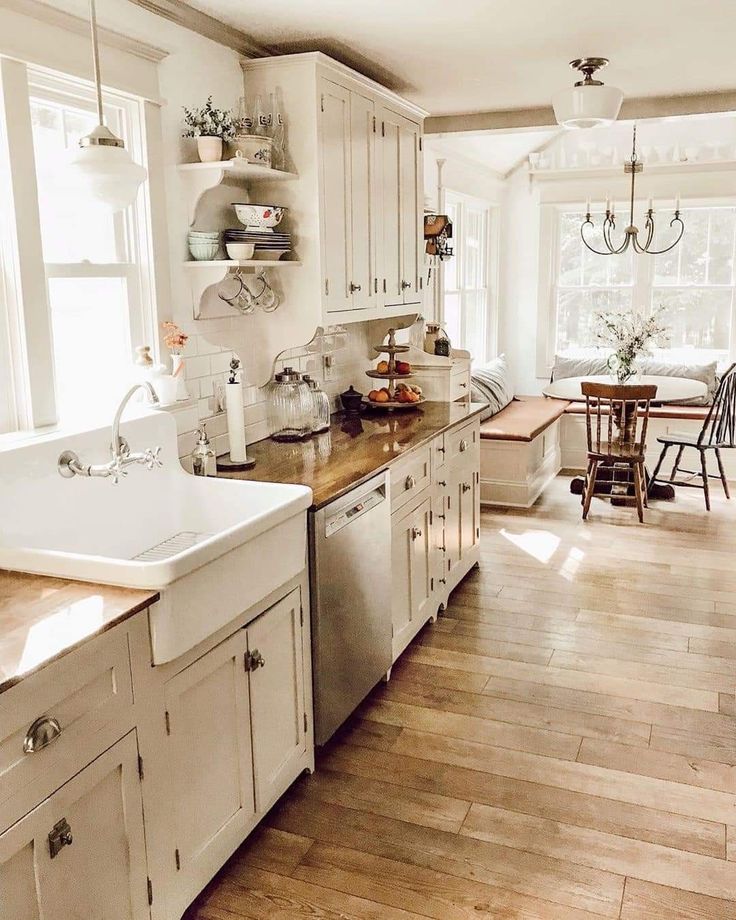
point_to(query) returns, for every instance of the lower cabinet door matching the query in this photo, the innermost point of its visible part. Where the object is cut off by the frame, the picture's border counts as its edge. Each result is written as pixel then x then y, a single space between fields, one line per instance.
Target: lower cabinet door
pixel 469 512
pixel 277 699
pixel 210 765
pixel 80 855
pixel 411 566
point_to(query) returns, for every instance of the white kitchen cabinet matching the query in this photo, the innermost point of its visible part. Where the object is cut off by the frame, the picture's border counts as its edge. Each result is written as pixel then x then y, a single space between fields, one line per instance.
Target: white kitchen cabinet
pixel 279 720
pixel 363 279
pixel 336 201
pixel 462 521
pixel 211 797
pixel 412 559
pixel 81 852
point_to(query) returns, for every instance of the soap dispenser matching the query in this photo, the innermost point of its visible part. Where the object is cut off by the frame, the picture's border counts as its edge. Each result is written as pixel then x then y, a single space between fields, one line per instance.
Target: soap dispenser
pixel 204 460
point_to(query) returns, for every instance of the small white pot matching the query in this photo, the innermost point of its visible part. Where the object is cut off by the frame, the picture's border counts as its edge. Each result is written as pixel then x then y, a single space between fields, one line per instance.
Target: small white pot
pixel 209 149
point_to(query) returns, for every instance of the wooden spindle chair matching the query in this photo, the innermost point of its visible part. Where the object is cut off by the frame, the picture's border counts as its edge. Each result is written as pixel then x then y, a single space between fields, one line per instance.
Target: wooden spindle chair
pixel 616 420
pixel 718 433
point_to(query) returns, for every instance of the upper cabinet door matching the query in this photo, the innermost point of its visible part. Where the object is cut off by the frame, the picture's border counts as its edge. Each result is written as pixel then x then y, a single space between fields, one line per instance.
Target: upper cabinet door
pixel 362 285
pixel 411 194
pixel 389 234
pixel 336 210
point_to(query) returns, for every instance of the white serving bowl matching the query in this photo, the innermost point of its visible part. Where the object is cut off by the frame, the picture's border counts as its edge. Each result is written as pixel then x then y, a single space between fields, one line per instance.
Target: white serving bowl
pixel 260 216
pixel 240 252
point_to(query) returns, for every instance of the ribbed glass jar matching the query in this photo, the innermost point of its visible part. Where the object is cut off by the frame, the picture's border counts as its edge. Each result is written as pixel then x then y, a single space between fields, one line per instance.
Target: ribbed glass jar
pixel 290 407
pixel 320 406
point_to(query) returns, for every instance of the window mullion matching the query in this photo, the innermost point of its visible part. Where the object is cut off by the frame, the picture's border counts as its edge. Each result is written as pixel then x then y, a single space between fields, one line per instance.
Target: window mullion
pixel 32 342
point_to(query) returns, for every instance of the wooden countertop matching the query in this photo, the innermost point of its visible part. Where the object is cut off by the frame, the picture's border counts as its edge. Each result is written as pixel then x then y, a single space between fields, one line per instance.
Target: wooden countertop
pixel 43 618
pixel 354 449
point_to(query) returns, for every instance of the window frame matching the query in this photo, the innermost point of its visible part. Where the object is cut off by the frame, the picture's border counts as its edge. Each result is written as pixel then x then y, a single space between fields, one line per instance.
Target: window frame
pixel 489 272
pixel 643 275
pixel 26 335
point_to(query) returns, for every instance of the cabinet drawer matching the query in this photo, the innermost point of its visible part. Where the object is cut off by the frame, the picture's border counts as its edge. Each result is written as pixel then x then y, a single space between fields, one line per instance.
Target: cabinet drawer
pixel 463 444
pixel 85 703
pixel 409 476
pixel 459 385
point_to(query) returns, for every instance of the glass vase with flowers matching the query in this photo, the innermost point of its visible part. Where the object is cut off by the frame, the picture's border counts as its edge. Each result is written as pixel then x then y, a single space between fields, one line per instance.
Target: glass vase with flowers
pixel 175 340
pixel 629 336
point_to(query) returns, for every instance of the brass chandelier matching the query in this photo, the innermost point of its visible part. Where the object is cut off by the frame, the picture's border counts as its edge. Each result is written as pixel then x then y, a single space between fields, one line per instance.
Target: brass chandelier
pixel 631 233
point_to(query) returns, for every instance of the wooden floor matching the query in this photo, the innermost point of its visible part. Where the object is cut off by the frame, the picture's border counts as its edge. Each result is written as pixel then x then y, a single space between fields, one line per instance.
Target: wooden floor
pixel 560 745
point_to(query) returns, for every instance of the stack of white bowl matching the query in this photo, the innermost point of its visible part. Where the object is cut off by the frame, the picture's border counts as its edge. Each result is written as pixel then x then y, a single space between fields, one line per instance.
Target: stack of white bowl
pixel 204 245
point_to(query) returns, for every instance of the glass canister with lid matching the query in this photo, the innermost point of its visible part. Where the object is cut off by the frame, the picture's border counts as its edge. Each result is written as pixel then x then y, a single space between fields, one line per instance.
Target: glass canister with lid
pixel 320 406
pixel 289 406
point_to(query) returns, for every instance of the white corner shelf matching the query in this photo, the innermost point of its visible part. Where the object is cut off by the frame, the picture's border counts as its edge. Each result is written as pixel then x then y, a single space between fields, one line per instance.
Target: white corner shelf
pixel 200 177
pixel 203 274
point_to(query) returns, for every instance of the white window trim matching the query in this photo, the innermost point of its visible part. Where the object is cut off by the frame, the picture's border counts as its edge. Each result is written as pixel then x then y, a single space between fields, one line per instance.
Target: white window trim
pixel 548 258
pixel 491 263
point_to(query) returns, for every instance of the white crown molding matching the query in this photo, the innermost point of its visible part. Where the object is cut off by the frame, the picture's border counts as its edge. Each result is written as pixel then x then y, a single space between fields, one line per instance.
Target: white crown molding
pixel 56 17
pixel 186 16
pixel 646 107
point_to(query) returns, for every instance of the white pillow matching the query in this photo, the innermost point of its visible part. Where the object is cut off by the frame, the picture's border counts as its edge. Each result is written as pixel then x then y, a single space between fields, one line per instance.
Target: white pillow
pixel 706 373
pixel 490 383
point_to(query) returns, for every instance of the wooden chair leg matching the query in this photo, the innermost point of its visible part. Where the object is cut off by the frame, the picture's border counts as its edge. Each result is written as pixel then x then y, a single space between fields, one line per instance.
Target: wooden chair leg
pixel 585 482
pixel 722 472
pixel 658 467
pixel 591 488
pixel 704 474
pixel 644 486
pixel 677 463
pixel 638 491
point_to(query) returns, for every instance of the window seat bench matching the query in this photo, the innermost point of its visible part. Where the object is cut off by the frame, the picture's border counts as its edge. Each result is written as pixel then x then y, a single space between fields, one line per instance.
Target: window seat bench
pixel 520 451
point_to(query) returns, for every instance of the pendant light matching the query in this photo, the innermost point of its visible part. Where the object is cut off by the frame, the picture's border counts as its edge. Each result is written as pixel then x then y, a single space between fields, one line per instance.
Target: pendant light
pixel 589 102
pixel 101 168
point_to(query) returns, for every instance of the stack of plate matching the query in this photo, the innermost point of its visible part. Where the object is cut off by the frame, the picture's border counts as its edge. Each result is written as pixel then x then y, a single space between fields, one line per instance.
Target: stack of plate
pixel 269 245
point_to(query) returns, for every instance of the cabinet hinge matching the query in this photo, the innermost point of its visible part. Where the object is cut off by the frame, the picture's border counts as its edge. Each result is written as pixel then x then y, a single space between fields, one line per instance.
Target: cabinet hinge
pixel 301 616
pixel 305 723
pixel 383 129
pixel 327 287
pixel 421 282
pixel 392 631
pixel 477 532
pixel 322 102
pixel 375 285
pixel 431 584
pixel 140 767
pixel 167 717
pixel 177 859
pixel 420 143
pixel 150 891
pixel 384 285
pixel 374 124
pixel 431 517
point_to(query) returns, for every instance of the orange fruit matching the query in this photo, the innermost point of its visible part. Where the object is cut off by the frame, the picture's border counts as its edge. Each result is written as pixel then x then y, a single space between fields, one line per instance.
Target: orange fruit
pixel 382 396
pixel 382 367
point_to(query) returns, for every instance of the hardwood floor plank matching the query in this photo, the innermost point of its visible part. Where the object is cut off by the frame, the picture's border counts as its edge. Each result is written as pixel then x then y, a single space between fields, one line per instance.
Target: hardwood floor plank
pixel 472 728
pixel 436 651
pixel 434 894
pixel 507 651
pixel 592 811
pixel 667 625
pixel 483 706
pixel 645 901
pixel 727 704
pixel 508 605
pixel 693 771
pixel 404 669
pixel 678 798
pixel 526 873
pixel 647 861
pixel 623 599
pixel 719 649
pixel 591 663
pixel 694 744
pixel 272 850
pixel 731 844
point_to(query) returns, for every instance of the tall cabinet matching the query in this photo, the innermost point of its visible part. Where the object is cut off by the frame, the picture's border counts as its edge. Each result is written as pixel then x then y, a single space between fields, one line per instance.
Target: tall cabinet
pixel 356 210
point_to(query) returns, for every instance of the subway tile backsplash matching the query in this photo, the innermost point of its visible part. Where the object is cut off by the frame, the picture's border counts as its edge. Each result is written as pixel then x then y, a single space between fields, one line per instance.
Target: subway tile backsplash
pixel 336 358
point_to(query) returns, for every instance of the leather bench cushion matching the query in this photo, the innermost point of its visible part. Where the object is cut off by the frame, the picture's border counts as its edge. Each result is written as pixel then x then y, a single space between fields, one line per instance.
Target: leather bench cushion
pixel 698 413
pixel 523 419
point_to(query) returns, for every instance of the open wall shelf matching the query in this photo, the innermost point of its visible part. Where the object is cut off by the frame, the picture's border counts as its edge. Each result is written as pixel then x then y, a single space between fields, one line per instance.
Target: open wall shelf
pixel 198 178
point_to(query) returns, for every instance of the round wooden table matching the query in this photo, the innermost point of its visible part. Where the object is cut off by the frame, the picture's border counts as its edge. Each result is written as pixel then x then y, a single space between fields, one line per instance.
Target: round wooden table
pixel 669 390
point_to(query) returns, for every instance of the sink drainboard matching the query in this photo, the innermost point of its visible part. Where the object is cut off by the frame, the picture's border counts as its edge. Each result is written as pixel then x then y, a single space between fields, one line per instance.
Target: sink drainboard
pixel 186 539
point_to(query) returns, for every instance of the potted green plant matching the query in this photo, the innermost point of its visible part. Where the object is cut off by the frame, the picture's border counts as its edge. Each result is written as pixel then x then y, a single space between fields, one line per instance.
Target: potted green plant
pixel 211 126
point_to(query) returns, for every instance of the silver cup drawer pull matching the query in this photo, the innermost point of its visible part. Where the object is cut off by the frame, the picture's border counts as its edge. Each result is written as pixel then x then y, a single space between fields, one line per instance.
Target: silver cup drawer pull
pixel 463 446
pixel 41 734
pixel 409 482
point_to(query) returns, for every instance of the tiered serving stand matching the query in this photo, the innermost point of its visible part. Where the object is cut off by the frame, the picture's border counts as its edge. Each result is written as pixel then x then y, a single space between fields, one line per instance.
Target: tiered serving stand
pixel 391 349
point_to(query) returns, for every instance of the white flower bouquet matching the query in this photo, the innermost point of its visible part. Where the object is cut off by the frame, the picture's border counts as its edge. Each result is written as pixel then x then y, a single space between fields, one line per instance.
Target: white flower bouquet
pixel 630 335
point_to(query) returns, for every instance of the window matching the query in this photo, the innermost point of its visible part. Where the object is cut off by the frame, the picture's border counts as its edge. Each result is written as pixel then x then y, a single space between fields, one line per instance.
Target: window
pixel 99 301
pixel 467 295
pixel 695 282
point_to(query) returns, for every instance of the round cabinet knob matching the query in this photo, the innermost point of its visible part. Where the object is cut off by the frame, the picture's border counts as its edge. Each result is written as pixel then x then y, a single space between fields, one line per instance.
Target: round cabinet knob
pixel 409 482
pixel 354 287
pixel 255 660
pixel 41 734
pixel 415 532
pixel 405 285
pixel 463 446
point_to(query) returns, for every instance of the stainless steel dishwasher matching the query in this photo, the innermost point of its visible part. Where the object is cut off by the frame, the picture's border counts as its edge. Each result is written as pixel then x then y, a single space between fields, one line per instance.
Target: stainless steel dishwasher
pixel 350 567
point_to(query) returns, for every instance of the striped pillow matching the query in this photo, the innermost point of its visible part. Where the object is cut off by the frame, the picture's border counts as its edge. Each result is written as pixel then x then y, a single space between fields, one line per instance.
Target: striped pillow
pixel 490 384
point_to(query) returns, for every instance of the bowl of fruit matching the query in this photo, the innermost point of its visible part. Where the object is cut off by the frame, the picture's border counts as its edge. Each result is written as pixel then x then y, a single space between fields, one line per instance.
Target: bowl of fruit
pixel 405 396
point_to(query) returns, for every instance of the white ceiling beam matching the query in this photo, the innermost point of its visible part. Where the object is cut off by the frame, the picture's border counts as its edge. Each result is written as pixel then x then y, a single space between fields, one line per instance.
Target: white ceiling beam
pixel 520 119
pixel 186 16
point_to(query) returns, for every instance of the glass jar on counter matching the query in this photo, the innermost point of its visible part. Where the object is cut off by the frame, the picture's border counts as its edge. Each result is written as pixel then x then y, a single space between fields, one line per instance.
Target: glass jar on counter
pixel 290 406
pixel 320 406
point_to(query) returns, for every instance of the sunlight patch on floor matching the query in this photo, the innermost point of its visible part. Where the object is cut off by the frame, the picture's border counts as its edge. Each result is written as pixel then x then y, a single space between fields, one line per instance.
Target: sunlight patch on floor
pixel 540 544
pixel 569 568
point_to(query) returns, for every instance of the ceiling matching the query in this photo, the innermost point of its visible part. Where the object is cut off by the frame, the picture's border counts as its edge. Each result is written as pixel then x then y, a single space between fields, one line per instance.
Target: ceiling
pixel 490 55
pixel 495 151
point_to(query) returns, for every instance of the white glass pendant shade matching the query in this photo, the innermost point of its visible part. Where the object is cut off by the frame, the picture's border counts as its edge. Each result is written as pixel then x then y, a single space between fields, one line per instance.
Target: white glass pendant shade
pixel 587 106
pixel 105 175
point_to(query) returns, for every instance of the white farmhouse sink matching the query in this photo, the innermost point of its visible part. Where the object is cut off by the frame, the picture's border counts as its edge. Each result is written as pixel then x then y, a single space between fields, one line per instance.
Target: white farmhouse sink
pixel 213 547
